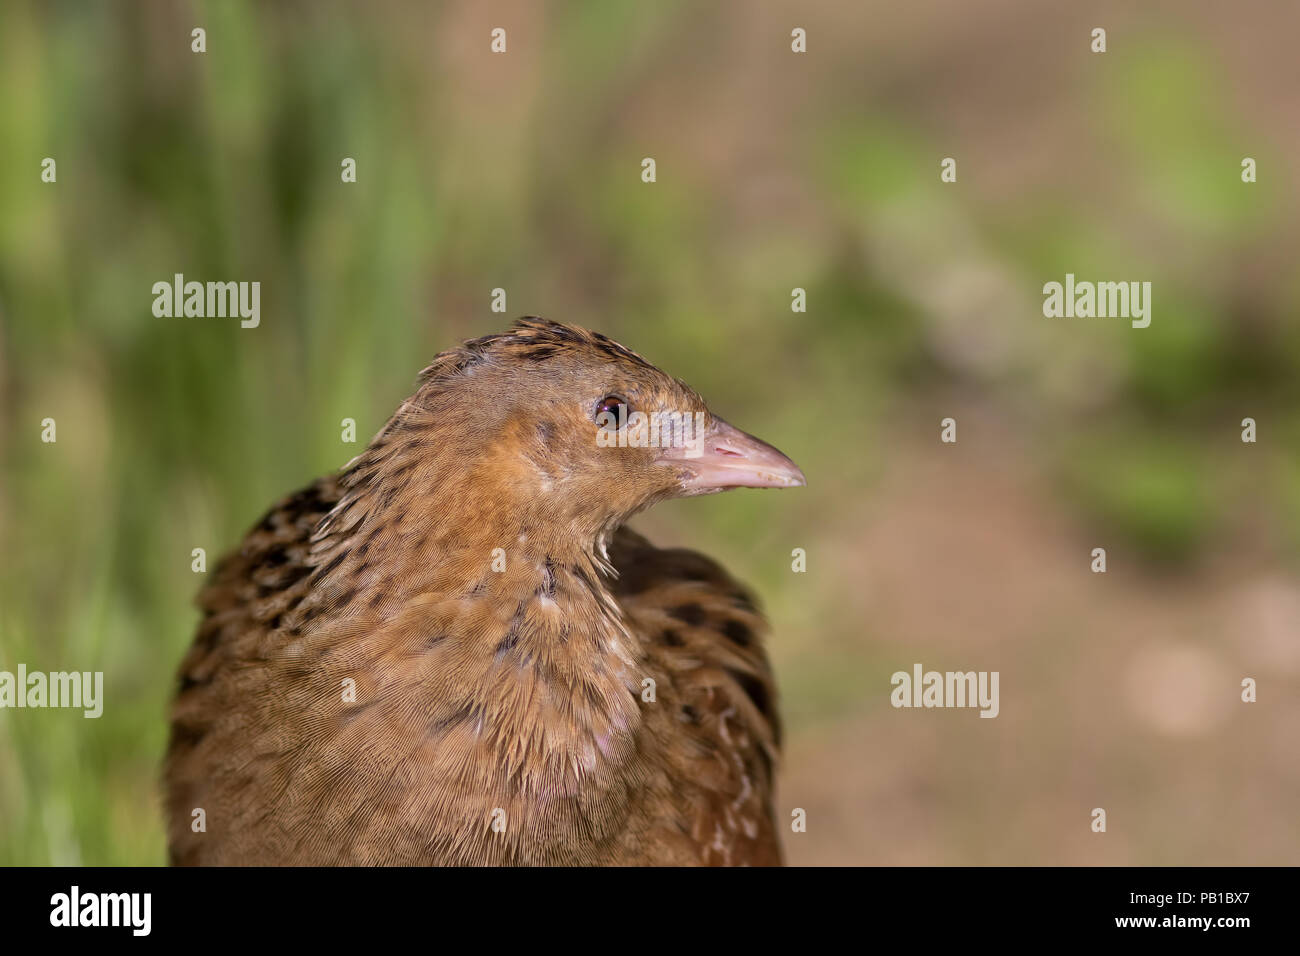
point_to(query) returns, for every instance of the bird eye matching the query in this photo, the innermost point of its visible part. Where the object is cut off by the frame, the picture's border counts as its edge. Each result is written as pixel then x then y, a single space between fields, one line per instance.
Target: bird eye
pixel 609 406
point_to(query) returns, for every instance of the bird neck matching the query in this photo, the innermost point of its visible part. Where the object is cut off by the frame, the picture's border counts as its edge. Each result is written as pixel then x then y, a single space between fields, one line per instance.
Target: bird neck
pixel 524 655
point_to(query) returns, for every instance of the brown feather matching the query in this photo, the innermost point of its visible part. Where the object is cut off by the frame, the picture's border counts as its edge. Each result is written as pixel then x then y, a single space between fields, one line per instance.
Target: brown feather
pixel 481 695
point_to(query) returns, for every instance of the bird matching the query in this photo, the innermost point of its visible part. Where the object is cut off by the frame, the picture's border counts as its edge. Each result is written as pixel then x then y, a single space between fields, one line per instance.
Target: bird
pixel 453 652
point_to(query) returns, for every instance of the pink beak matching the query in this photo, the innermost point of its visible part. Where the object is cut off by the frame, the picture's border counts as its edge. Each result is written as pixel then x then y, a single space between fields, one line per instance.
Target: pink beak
pixel 729 458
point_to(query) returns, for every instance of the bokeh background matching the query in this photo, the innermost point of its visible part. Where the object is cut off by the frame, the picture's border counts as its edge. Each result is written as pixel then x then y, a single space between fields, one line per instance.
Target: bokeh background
pixel 775 171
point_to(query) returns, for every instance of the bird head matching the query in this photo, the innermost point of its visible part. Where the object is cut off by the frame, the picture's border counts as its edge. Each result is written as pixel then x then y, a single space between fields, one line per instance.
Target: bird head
pixel 552 425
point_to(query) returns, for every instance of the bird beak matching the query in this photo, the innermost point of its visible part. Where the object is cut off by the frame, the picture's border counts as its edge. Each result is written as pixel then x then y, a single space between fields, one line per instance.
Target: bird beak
pixel 726 458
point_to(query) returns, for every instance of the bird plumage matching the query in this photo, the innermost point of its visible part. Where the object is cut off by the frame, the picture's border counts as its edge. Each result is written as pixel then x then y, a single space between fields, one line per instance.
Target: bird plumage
pixel 453 652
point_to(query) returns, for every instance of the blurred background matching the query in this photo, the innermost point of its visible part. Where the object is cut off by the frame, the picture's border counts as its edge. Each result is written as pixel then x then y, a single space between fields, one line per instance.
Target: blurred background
pixel 775 170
